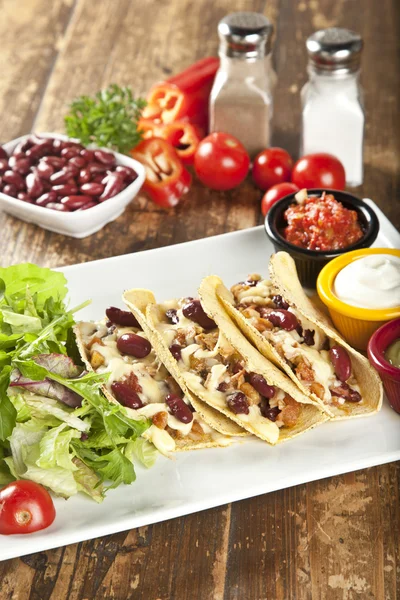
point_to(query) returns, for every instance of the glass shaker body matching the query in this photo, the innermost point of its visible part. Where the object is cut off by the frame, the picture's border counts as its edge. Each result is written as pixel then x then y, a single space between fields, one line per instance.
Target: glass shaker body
pixel 333 120
pixel 241 101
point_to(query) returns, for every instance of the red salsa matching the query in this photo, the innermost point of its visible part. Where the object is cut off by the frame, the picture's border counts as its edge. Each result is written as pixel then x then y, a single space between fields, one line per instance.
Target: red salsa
pixel 321 223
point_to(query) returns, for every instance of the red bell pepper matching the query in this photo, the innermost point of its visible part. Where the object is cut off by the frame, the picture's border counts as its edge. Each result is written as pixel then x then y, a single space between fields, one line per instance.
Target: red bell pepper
pixel 184 97
pixel 167 180
pixel 184 137
pixel 148 128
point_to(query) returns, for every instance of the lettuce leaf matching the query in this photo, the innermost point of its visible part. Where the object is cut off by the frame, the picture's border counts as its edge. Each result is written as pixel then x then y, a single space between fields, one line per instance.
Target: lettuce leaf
pixel 143 451
pixel 43 284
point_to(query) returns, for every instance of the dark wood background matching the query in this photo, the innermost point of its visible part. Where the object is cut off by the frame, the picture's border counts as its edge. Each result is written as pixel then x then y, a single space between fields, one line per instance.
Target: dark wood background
pixel 336 539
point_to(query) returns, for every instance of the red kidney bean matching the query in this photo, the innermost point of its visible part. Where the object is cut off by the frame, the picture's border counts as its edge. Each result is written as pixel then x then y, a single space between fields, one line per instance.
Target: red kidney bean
pixel 84 176
pixel 77 161
pixel 92 189
pixel 14 178
pixel 34 185
pixel 46 198
pixel 39 141
pixel 24 197
pixel 176 351
pixel 66 189
pixel 96 167
pixel 134 345
pixel 88 155
pixel 121 317
pixel 126 395
pixel 261 386
pixel 86 206
pixel 39 150
pixel 55 161
pixel 99 178
pixel 10 190
pixel 60 177
pixel 237 367
pixel 73 202
pixel 3 153
pixel 238 404
pixel 57 206
pixel 194 311
pixel 72 170
pixel 69 153
pixel 105 157
pixel 346 392
pixel 128 174
pixel 22 147
pixel 45 170
pixel 57 146
pixel 341 362
pixel 172 315
pixel 269 413
pixel 3 165
pixel 21 165
pixel 222 387
pixel 284 319
pixel 113 186
pixel 280 302
pixel 179 409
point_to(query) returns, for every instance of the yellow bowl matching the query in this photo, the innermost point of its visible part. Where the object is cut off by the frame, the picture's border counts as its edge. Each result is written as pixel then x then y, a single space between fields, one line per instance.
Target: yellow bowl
pixel 355 324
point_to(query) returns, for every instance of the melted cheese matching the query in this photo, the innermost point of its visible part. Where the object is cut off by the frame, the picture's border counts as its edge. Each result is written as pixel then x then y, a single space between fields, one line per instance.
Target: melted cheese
pixel 216 376
pixel 265 427
pixel 161 439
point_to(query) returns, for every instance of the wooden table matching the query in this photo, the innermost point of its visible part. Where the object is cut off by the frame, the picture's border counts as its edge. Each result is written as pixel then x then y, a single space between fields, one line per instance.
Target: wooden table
pixel 333 539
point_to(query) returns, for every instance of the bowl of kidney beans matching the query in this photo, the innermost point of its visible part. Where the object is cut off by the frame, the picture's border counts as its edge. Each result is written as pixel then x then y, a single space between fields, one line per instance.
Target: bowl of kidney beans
pixel 57 183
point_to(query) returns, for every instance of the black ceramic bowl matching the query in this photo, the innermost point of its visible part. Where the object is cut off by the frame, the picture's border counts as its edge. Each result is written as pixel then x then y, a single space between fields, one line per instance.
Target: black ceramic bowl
pixel 310 262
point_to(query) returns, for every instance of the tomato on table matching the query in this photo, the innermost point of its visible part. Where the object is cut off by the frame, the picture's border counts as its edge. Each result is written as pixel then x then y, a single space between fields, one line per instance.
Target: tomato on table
pixel 319 170
pixel 276 193
pixel 271 166
pixel 221 161
pixel 25 507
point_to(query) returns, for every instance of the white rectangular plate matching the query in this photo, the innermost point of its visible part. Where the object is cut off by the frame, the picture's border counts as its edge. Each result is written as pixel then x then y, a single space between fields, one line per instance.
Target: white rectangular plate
pixel 202 479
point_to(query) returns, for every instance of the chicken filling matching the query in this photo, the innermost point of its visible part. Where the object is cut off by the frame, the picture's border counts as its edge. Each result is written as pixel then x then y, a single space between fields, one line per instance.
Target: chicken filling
pixel 320 364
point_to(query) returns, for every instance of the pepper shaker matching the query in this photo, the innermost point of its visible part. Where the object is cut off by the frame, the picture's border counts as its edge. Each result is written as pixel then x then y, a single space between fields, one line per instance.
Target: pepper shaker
pixel 241 98
pixel 332 100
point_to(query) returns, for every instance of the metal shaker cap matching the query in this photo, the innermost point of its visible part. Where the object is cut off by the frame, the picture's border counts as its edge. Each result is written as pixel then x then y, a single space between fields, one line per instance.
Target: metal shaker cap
pixel 334 50
pixel 245 35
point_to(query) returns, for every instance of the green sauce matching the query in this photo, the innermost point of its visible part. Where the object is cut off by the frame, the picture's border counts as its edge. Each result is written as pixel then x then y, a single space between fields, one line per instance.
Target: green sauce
pixel 392 353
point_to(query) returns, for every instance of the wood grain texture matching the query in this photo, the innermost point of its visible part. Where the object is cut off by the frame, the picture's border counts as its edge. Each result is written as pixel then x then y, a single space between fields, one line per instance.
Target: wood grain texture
pixel 336 539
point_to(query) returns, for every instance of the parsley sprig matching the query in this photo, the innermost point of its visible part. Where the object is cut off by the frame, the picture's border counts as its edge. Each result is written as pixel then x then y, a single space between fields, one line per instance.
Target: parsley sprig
pixel 109 119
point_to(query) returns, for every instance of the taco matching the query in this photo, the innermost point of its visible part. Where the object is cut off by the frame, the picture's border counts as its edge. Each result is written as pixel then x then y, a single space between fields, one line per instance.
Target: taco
pixel 139 381
pixel 287 328
pixel 206 352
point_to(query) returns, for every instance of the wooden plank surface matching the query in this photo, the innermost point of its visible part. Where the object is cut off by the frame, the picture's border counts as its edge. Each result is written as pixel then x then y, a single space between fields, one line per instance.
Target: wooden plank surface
pixel 335 539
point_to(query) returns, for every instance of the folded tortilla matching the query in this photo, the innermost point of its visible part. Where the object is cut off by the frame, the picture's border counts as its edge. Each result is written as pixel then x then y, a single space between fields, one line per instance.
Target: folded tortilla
pixel 285 283
pixel 229 341
pixel 140 300
pixel 100 354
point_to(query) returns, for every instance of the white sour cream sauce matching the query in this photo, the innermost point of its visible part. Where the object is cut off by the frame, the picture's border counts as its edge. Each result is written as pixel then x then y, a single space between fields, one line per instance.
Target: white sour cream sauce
pixel 370 282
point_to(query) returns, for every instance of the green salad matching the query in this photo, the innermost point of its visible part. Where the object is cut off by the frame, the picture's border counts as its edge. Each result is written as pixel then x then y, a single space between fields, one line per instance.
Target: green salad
pixel 56 426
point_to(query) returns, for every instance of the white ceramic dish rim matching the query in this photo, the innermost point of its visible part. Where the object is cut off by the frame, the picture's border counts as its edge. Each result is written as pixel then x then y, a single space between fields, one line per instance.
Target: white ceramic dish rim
pixel 76 216
pixel 139 505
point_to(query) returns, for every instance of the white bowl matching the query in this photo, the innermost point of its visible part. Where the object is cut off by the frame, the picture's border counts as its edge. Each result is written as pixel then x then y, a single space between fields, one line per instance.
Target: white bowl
pixel 77 224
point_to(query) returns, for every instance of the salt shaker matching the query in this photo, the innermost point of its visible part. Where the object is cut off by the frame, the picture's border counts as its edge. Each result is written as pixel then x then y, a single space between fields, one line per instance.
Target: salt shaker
pixel 241 98
pixel 332 100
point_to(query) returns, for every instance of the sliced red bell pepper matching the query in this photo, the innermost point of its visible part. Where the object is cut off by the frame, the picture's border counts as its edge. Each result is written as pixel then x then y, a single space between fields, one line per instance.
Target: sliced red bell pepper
pixel 183 137
pixel 184 97
pixel 167 180
pixel 148 127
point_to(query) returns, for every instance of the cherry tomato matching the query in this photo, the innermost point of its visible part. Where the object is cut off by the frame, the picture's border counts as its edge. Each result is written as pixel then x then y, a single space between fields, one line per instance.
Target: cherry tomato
pixel 270 167
pixel 276 193
pixel 319 170
pixel 25 507
pixel 221 161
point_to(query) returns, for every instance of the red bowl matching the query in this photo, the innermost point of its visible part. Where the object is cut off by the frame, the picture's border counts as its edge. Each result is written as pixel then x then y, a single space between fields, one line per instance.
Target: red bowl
pixel 390 375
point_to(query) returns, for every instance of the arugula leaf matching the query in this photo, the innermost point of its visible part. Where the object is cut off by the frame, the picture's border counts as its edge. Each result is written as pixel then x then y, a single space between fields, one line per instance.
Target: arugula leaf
pixel 8 413
pixel 112 465
pixel 109 119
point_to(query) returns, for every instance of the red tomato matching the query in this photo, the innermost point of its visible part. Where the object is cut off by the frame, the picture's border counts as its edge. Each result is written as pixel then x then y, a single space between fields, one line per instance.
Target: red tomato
pixel 221 161
pixel 319 170
pixel 276 193
pixel 25 507
pixel 270 167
